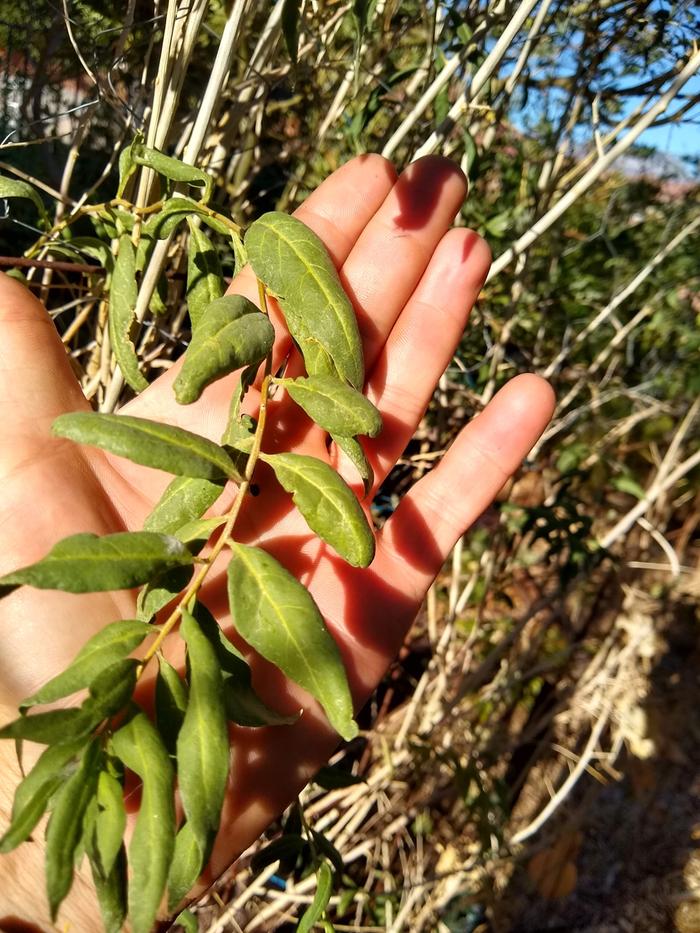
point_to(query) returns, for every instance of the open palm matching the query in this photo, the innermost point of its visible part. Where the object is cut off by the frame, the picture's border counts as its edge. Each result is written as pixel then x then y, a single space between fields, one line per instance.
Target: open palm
pixel 412 280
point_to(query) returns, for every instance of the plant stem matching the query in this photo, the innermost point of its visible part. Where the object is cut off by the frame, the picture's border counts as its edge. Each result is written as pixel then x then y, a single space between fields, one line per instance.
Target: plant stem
pixel 225 538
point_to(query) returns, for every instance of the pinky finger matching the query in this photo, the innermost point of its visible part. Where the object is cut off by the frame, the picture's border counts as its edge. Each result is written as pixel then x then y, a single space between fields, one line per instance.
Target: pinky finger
pixel 417 539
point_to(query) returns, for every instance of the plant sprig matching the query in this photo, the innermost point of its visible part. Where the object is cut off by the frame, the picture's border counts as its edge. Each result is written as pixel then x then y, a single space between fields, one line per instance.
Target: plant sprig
pixel 79 778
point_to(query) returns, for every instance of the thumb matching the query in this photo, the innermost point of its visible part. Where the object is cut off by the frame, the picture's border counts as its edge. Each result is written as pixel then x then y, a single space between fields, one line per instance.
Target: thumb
pixel 36 380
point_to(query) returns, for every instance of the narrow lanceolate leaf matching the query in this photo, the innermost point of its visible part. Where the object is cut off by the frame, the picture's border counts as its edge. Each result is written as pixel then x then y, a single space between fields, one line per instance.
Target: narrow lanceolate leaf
pixel 183 501
pixel 160 591
pixel 109 693
pixel 141 749
pixel 171 703
pixel 111 892
pixel 328 505
pixel 278 617
pixel 294 264
pixel 202 744
pixel 65 827
pixel 110 821
pixel 352 449
pixel 52 769
pixel 243 705
pixel 334 406
pixel 205 279
pixel 150 443
pixel 112 643
pixel 291 11
pixel 172 168
pixel 14 188
pixel 186 866
pixel 60 725
pixel 86 563
pixel 314 912
pixel 111 690
pixel 123 292
pixel 231 333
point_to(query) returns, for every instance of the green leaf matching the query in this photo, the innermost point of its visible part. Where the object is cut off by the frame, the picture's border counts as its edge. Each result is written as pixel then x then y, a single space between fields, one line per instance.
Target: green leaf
pixel 33 793
pixel 196 534
pixel 160 591
pixel 172 168
pixel 352 449
pixel 205 280
pixel 150 443
pixel 65 826
pixel 110 822
pixel 202 744
pixel 231 333
pixel 186 866
pixel 276 615
pixel 60 725
pixel 161 225
pixel 112 892
pixel 289 846
pixel 123 292
pixel 81 246
pixel 14 188
pixel 127 167
pixel 291 10
pixel 326 847
pixel 184 500
pixel 327 503
pixel 110 644
pixel 111 690
pixel 294 264
pixel 171 703
pixel 629 485
pixel 141 749
pixel 331 778
pixel 317 907
pixel 334 406
pixel 86 563
pixel 243 705
pixel 187 921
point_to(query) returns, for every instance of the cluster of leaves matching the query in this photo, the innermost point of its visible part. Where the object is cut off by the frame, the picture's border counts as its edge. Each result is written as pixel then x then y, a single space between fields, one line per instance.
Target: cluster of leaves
pixel 80 776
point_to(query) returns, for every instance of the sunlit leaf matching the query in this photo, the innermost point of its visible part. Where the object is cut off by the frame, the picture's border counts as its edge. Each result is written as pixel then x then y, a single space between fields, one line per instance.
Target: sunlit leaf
pixel 172 168
pixel 171 703
pixel 112 892
pixel 294 264
pixel 205 280
pixel 141 749
pixel 185 499
pixel 231 333
pixel 65 826
pixel 276 615
pixel 327 503
pixel 110 821
pixel 86 563
pixel 110 644
pixel 324 887
pixel 202 744
pixel 186 865
pixel 150 443
pixel 334 406
pixel 51 770
pixel 123 292
pixel 353 450
pixel 14 188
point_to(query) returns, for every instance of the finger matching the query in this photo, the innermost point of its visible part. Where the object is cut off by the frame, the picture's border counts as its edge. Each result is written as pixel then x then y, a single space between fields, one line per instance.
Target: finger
pixel 338 211
pixel 423 341
pixel 416 540
pixel 394 249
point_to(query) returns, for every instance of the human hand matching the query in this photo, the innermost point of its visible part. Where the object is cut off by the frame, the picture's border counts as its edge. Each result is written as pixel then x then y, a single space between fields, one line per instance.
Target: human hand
pixel 413 282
